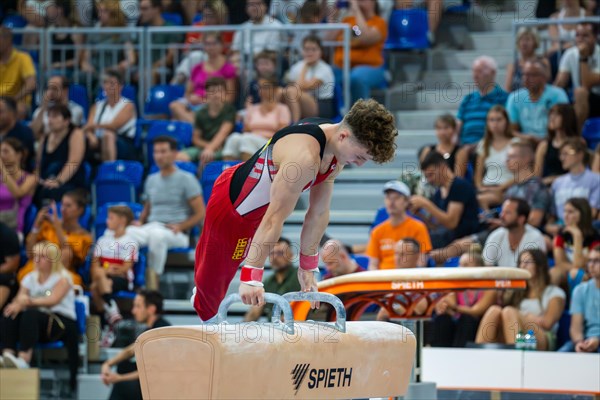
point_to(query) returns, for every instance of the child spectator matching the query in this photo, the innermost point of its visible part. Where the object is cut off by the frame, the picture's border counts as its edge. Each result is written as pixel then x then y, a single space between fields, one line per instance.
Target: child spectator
pixel 537 308
pixel 212 125
pixel 112 263
pixel 492 176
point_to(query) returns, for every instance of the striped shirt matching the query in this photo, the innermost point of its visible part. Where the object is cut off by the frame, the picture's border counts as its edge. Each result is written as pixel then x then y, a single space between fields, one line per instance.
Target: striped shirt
pixel 473 113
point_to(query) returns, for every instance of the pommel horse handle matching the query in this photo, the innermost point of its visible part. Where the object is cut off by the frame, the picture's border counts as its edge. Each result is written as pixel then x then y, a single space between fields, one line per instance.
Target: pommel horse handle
pixel 340 311
pixel 280 304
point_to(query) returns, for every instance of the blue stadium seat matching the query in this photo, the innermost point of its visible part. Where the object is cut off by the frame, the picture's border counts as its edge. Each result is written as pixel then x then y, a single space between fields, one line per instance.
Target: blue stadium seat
pixel 111 191
pixel 564 325
pixel 78 93
pixel 15 21
pixel 182 131
pixel 452 262
pixel 130 171
pixel 184 165
pixel 173 18
pixel 139 277
pixel 407 30
pixel 158 99
pixel 177 91
pixel 100 222
pixel 29 218
pixel 211 173
pixel 380 216
pixel 591 132
pixel 361 260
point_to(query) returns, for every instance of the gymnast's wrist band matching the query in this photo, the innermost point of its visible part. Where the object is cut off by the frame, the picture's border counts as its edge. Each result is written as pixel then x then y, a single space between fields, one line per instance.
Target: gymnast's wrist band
pixel 252 276
pixel 309 263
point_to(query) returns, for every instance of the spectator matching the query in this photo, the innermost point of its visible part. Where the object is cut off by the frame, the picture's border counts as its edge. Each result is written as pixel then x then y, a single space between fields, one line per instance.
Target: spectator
pixel 283 280
pixel 585 319
pixel 573 243
pixel 60 157
pixel 563 35
pixel 474 107
pixel 596 160
pixel 147 309
pixel 65 57
pixel 406 255
pixel 311 83
pixel 212 125
pixel 265 66
pixel 526 184
pixel 111 126
pixel 17 74
pixel 578 181
pixel 366 48
pixel 580 65
pixel 10 256
pixel 214 12
pixel 261 121
pixel 101 55
pixel 173 206
pixel 57 92
pixel 527 44
pixel 112 264
pixel 16 185
pixel 337 260
pixel 397 227
pixel 310 12
pixel 163 52
pixel 538 308
pixel 445 131
pixel 64 231
pixel 11 127
pixel 261 40
pixel 492 176
pixel 42 311
pixel 216 65
pixel 454 204
pixel 562 125
pixel 457 314
pixel 529 106
pixel 504 244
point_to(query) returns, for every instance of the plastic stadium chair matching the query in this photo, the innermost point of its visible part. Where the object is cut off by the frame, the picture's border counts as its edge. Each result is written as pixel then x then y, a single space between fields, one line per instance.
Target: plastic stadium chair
pixel 173 18
pixel 130 171
pixel 139 277
pixel 361 260
pixel 591 132
pixel 184 165
pixel 177 91
pixel 211 173
pixel 407 30
pixel 158 99
pixel 111 191
pixel 182 131
pixel 78 93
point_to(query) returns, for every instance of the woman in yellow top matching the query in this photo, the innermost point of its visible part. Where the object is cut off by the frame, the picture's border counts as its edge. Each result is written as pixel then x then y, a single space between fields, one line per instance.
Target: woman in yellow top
pixel 369 32
pixel 73 240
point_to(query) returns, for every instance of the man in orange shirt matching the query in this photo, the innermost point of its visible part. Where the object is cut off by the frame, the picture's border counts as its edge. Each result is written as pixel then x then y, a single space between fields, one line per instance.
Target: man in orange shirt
pixel 397 227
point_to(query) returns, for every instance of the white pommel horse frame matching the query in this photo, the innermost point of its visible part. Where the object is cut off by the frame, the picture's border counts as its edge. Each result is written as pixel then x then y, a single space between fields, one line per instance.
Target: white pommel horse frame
pixel 276 360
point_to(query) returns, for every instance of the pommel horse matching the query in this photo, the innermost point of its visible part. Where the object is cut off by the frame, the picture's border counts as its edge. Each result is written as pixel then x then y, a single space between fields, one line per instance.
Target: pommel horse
pixel 399 291
pixel 281 359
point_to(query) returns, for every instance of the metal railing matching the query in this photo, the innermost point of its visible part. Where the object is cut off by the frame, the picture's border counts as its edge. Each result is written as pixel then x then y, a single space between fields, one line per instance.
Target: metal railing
pixel 106 47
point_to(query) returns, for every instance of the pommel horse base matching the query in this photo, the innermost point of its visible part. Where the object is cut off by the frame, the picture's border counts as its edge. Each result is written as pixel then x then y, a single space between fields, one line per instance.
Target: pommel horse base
pixel 277 360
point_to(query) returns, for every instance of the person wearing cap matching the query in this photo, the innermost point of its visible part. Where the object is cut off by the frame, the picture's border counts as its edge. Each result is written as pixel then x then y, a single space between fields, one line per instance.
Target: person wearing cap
pixel 398 226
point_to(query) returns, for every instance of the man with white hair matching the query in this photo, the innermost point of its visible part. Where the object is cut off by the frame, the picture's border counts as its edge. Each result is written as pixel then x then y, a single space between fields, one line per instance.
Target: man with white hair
pixel 474 107
pixel 528 107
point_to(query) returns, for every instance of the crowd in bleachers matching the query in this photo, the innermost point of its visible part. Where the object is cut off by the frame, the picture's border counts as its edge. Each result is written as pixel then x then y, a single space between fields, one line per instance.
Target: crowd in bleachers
pixel 513 180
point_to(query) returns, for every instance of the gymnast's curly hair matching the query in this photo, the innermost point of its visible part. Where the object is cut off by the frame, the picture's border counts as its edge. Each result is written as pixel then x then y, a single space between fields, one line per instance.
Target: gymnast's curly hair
pixel 373 126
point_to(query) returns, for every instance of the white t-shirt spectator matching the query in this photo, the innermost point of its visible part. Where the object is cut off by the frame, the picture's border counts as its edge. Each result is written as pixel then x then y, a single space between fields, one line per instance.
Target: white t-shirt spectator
pixel 261 39
pixel 569 62
pixel 123 248
pixel 66 305
pixel 538 307
pixel 497 250
pixel 77 117
pixel 495 169
pixel 321 71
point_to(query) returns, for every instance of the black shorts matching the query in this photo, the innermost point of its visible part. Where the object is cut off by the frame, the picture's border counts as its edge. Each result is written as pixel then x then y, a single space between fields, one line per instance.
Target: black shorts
pixel 8 280
pixel 594 103
pixel 119 284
